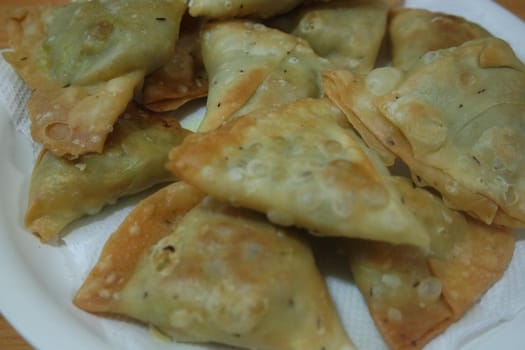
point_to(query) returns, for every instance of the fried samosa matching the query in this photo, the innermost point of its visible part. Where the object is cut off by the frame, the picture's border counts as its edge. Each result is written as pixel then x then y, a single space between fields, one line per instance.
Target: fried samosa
pixel 457 118
pixel 301 165
pixel 415 295
pixel 63 190
pixel 87 42
pixel 414 32
pixel 251 66
pixel 348 33
pixel 83 61
pixel 217 274
pixel 77 120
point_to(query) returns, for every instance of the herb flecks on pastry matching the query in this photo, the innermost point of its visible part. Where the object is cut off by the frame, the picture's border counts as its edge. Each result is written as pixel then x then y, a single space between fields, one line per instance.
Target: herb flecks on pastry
pixel 301 165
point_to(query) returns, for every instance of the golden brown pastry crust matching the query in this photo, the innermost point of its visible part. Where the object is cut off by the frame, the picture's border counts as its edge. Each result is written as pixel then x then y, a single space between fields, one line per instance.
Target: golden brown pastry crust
pixel 152 219
pixel 63 190
pixel 72 121
pixel 413 295
pixel 217 274
pixel 454 119
pixel 348 92
pixel 348 33
pixel 251 66
pixel 26 31
pixel 183 78
pixel 58 113
pixel 84 72
pixel 301 165
pixel 414 32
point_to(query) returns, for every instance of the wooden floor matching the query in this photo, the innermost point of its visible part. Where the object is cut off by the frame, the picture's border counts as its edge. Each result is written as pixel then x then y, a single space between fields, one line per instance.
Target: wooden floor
pixel 9 338
pixel 516 6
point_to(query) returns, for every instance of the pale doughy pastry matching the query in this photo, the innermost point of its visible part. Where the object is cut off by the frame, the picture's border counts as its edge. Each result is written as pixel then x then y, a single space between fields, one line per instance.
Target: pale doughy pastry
pixel 301 165
pixel 413 295
pixel 62 190
pixel 240 8
pixel 456 118
pixel 251 66
pixel 414 32
pixel 213 274
pixel 84 60
pixel 348 33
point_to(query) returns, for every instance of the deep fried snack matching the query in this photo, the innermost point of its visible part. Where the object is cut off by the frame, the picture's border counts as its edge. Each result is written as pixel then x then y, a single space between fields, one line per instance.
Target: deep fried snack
pixel 301 165
pixel 63 190
pixel 414 295
pixel 251 66
pixel 84 60
pixel 456 118
pixel 414 32
pixel 213 273
pixel 348 33
pixel 76 120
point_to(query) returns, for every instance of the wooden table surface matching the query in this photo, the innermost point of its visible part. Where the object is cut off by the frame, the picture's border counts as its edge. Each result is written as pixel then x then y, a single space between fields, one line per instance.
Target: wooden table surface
pixel 9 338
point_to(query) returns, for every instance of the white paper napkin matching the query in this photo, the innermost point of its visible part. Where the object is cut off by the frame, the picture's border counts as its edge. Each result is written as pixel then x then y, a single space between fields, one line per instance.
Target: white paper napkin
pixel 502 302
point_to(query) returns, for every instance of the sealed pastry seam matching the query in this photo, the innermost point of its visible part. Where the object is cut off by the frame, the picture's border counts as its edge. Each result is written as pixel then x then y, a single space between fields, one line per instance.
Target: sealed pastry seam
pixel 201 271
pixel 413 295
pixel 445 138
pixel 252 66
pixel 84 63
pixel 298 165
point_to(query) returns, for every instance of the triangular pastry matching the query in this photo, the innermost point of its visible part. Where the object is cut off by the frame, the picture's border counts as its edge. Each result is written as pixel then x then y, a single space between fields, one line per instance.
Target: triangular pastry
pixel 348 33
pixel 63 190
pixel 214 274
pixel 251 66
pixel 83 62
pixel 455 118
pixel 301 165
pixel 414 295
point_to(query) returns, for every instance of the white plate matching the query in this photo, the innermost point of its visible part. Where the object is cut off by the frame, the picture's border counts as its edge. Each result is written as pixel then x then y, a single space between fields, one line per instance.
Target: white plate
pixel 37 282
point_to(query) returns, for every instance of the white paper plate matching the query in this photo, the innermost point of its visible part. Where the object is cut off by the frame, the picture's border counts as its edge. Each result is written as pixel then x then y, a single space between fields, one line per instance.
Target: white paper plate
pixel 37 282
